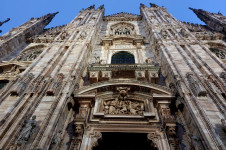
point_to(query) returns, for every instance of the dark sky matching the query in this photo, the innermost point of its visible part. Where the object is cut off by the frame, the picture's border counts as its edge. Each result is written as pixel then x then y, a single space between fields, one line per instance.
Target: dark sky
pixel 21 11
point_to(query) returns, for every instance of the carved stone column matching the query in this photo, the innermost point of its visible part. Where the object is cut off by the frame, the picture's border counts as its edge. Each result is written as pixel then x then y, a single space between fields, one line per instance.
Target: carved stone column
pixel 158 140
pixel 90 140
pixel 169 124
pixel 77 139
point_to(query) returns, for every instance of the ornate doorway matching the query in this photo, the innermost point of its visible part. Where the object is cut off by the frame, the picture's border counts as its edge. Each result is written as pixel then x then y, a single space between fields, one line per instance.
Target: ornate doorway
pixel 124 141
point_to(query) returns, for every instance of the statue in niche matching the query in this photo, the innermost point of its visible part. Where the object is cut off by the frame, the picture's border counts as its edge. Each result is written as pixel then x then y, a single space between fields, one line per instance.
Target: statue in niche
pixel 27 130
pixel 77 138
pixel 78 130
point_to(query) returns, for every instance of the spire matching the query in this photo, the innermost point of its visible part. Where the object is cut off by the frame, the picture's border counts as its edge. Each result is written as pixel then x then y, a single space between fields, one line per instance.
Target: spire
pixel 90 7
pixel 214 21
pixel 48 18
pixel 101 7
pixel 142 5
pixel 153 5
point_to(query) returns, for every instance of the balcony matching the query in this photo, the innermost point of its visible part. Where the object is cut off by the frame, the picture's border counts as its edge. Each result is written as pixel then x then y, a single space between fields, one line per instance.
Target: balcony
pixel 104 72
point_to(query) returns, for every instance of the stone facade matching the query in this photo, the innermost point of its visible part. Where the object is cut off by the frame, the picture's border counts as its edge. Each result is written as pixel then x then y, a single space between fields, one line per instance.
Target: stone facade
pixel 67 86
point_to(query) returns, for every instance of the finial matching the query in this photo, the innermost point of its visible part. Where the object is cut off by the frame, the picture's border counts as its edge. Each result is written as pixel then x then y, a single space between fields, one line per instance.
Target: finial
pixel 153 5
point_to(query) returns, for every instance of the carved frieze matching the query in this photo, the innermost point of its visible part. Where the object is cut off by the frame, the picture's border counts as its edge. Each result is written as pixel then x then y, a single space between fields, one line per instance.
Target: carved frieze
pixel 122 17
pixel 123 107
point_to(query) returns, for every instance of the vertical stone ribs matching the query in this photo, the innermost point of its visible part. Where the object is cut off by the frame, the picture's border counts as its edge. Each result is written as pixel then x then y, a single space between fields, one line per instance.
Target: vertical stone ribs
pixel 169 124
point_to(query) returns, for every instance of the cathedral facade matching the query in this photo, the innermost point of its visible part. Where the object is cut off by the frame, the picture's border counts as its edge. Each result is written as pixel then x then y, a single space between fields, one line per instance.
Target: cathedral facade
pixel 122 81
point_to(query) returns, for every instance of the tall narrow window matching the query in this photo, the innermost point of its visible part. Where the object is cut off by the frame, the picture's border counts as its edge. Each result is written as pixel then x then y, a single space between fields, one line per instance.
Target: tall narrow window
pixel 122 58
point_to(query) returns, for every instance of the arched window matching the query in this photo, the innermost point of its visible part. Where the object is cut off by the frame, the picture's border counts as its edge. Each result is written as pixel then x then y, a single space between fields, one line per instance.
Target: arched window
pixel 3 83
pixel 122 58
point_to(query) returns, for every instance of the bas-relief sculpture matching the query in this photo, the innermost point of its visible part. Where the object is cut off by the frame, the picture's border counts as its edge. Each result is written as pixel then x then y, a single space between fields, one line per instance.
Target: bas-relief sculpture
pixel 64 78
pixel 124 107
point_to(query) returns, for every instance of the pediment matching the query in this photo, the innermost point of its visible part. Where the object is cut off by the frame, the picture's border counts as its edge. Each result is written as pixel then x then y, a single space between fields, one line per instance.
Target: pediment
pixel 123 17
pixel 146 88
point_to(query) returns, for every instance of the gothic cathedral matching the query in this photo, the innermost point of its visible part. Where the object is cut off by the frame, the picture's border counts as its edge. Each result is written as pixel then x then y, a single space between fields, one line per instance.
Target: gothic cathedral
pixel 117 82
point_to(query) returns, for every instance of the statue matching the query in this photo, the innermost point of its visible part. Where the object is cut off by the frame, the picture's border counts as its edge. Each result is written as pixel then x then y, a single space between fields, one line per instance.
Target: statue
pixel 98 60
pixel 83 35
pixel 164 34
pixel 27 130
pixel 195 143
pixel 195 85
pixel 123 92
pixel 148 61
pixel 56 140
pixel 223 122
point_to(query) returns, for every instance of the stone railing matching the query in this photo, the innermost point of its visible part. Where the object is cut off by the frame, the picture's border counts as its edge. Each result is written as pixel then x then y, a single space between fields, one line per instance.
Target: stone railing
pixel 143 72
pixel 118 67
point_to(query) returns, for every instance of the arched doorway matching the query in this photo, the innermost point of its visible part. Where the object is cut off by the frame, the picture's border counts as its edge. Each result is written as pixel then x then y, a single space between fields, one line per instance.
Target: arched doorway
pixel 123 58
pixel 124 141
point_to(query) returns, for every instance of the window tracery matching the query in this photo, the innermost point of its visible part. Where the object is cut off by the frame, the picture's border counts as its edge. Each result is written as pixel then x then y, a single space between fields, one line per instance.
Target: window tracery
pixel 30 56
pixel 122 28
pixel 31 53
pixel 122 31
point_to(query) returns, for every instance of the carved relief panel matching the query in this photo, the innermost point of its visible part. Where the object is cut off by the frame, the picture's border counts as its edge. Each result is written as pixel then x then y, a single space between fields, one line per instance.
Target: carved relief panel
pixel 123 105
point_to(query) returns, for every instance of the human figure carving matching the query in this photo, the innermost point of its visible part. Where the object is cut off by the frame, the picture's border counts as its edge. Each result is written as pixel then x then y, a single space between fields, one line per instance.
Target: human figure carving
pixel 195 143
pixel 98 60
pixel 27 130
